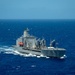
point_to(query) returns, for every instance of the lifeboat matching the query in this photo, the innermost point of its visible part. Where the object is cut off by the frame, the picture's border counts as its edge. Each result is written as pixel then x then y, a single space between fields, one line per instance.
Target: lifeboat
pixel 21 44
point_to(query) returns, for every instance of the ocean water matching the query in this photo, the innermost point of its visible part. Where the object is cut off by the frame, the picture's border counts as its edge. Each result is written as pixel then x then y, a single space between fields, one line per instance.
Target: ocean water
pixel 15 63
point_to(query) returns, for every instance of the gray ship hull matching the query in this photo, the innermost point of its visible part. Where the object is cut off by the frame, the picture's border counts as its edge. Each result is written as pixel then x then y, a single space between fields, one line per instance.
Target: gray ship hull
pixel 55 52
pixel 50 52
pixel 25 51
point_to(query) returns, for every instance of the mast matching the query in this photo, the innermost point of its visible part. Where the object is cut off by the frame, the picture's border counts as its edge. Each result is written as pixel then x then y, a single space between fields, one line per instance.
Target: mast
pixel 26 34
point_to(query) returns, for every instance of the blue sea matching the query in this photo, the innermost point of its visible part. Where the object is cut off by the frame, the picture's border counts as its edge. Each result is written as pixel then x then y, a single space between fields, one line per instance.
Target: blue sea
pixel 15 63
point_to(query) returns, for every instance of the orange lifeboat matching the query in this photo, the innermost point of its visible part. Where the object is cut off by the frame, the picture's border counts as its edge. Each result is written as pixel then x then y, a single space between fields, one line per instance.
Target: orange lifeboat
pixel 21 44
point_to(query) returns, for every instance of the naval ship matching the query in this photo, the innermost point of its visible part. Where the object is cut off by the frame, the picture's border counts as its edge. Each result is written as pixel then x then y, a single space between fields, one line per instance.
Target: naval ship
pixel 30 44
